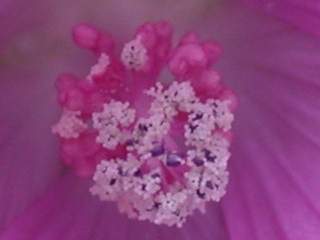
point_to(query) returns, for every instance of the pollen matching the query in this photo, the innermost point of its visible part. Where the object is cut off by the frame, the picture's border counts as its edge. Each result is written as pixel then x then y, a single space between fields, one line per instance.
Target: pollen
pixel 111 123
pixel 70 125
pixel 100 67
pixel 134 54
pixel 148 193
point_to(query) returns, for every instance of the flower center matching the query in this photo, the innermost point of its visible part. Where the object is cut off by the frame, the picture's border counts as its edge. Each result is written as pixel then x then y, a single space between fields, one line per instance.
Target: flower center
pixel 166 161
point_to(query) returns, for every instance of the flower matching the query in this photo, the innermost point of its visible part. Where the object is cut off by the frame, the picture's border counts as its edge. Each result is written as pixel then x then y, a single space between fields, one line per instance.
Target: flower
pixel 271 61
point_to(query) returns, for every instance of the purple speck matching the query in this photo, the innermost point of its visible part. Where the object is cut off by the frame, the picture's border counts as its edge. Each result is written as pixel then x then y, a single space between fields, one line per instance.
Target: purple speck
pixel 130 142
pixel 143 128
pixel 210 157
pixel 138 173
pixel 197 117
pixel 113 181
pixel 157 150
pixel 200 194
pixel 198 162
pixel 173 160
pixel 209 184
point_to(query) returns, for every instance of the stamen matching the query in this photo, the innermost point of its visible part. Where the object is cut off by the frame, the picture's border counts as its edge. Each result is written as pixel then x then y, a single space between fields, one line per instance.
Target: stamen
pixel 134 55
pixel 213 185
pixel 70 125
pixel 148 185
pixel 149 193
pixel 111 122
pixel 149 131
pixel 100 67
pixel 223 114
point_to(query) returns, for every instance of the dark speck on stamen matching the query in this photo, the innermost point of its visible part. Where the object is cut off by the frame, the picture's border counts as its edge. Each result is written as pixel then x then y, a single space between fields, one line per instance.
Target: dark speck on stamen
pixel 198 162
pixel 209 184
pixel 200 194
pixel 158 150
pixel 173 160
pixel 209 156
pixel 113 181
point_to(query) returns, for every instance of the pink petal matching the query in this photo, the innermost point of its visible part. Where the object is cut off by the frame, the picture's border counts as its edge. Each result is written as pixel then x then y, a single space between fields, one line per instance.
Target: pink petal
pixel 303 14
pixel 273 68
pixel 69 212
pixel 28 151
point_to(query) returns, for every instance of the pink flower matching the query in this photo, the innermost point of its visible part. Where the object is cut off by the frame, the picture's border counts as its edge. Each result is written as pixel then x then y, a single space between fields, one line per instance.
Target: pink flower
pixel 270 57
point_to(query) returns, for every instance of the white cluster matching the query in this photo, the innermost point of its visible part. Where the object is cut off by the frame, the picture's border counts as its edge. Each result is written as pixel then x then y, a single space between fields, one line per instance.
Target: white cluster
pixel 200 126
pixel 70 125
pixel 209 149
pixel 206 118
pixel 166 105
pixel 134 54
pixel 173 208
pixel 178 97
pixel 148 185
pixel 213 185
pixel 148 131
pixel 117 179
pixel 146 194
pixel 112 176
pixel 100 67
pixel 207 185
pixel 218 148
pixel 224 117
pixel 107 180
pixel 111 123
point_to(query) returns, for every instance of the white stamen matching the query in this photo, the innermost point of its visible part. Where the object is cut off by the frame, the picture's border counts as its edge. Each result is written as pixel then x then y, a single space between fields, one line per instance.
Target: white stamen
pixel 70 125
pixel 134 55
pixel 100 67
pixel 141 194
pixel 112 122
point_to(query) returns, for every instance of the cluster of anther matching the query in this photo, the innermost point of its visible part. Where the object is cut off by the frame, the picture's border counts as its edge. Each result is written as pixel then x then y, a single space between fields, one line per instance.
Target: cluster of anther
pixel 160 150
pixel 112 122
pixel 70 125
pixel 100 67
pixel 199 175
pixel 134 54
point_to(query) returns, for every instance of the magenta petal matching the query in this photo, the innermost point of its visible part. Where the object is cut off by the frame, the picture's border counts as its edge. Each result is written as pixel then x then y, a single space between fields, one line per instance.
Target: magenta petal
pixel 69 212
pixel 28 150
pixel 303 14
pixel 274 69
